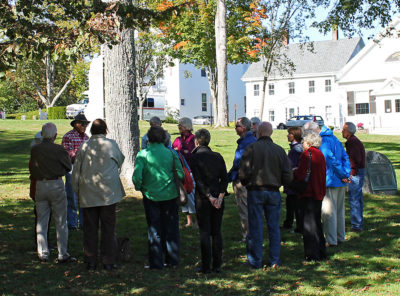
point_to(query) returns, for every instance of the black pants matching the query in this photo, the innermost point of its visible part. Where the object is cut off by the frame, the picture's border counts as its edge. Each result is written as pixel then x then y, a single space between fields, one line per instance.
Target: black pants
pixel 108 245
pixel 313 236
pixel 210 220
pixel 292 211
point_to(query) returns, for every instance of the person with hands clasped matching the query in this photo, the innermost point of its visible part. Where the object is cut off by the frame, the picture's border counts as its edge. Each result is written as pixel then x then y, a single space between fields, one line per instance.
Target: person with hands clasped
pixel 209 171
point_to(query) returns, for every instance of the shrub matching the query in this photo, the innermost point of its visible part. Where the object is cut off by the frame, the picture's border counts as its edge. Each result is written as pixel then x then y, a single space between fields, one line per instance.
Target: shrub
pixel 57 112
pixel 28 115
pixel 170 119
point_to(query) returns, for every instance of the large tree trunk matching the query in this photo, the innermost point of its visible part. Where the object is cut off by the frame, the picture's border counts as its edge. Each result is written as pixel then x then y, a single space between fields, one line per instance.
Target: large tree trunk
pixel 264 86
pixel 220 42
pixel 120 99
pixel 212 82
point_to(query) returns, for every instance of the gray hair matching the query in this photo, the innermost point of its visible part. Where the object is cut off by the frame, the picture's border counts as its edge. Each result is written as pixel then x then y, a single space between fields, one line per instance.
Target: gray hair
pixel 49 130
pixel 186 123
pixel 313 139
pixel 245 122
pixel 265 129
pixel 351 127
pixel 311 125
pixel 255 120
pixel 203 137
pixel 155 121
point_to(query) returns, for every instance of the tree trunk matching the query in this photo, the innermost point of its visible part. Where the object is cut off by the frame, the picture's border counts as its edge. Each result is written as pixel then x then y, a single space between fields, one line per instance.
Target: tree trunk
pixel 141 111
pixel 120 99
pixel 212 82
pixel 49 79
pixel 263 98
pixel 220 45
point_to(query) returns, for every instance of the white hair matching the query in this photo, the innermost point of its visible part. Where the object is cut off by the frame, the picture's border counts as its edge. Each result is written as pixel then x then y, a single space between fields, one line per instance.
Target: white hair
pixel 313 139
pixel 351 127
pixel 49 130
pixel 311 125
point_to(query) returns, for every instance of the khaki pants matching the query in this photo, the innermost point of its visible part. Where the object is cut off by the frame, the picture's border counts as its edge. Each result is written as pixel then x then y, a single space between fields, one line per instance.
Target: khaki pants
pixel 241 200
pixel 51 197
pixel 333 215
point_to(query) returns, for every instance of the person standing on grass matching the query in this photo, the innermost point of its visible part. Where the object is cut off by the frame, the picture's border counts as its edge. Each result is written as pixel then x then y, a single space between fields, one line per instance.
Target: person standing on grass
pixel 255 122
pixel 155 121
pixel 72 141
pixel 292 198
pixel 49 162
pixel 356 151
pixel 337 174
pixel 264 167
pixel 311 200
pixel 185 145
pixel 210 174
pixel 153 176
pixel 96 181
pixel 246 137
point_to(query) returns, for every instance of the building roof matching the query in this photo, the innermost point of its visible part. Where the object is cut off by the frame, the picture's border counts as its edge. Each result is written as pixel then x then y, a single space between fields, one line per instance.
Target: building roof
pixel 327 57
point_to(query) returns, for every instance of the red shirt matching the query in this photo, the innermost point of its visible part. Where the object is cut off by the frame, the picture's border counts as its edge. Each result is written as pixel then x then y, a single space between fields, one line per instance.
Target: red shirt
pixel 72 141
pixel 185 146
pixel 316 187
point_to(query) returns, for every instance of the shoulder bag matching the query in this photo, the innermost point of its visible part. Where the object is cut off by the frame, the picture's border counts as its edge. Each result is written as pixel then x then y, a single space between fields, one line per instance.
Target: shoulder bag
pixel 182 195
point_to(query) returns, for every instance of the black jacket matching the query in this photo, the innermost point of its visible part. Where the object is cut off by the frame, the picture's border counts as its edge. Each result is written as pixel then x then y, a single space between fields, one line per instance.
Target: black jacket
pixel 264 165
pixel 209 172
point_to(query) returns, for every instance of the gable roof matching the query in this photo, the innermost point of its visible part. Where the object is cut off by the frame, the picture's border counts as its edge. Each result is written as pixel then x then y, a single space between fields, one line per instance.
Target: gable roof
pixel 327 57
pixel 390 86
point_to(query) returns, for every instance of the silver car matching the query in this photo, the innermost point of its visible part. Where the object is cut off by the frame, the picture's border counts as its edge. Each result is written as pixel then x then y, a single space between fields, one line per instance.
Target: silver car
pixel 202 119
pixel 300 120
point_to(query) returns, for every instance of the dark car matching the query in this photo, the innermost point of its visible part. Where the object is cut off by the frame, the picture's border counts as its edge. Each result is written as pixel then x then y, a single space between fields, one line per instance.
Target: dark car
pixel 300 120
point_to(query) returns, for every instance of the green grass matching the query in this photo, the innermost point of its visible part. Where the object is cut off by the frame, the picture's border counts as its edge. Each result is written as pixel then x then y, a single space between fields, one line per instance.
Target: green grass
pixel 368 263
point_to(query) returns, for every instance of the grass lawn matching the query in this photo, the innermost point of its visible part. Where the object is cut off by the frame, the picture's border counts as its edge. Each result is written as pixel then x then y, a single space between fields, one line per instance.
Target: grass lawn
pixel 368 263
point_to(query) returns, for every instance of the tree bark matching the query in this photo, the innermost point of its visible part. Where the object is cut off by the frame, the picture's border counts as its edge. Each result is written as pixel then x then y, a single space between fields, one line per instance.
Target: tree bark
pixel 220 45
pixel 212 82
pixel 120 99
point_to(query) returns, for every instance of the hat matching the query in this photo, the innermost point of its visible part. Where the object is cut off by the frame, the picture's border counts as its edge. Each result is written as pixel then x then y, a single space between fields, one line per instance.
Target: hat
pixel 79 118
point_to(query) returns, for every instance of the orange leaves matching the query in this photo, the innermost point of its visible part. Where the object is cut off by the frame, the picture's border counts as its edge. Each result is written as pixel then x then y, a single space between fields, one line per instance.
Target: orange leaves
pixel 253 53
pixel 164 5
pixel 180 44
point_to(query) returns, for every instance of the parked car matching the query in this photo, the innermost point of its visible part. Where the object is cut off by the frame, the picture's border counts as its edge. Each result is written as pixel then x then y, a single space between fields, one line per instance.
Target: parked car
pixel 300 120
pixel 75 109
pixel 202 119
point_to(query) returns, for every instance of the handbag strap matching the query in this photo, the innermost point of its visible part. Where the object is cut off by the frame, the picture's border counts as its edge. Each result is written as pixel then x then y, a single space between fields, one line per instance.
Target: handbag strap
pixel 173 167
pixel 309 166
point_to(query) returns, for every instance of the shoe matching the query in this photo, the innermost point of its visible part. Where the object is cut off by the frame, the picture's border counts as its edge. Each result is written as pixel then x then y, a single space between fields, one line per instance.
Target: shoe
pixel 200 269
pixel 328 245
pixel 91 266
pixel 110 267
pixel 43 259
pixel 149 267
pixel 274 266
pixel 353 229
pixel 69 259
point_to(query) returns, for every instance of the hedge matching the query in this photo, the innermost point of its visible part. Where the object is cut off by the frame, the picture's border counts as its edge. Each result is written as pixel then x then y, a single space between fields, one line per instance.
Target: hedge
pixel 57 112
pixel 29 115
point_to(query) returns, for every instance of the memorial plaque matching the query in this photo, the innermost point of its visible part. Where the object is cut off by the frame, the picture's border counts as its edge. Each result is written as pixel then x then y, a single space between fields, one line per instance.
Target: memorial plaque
pixel 380 176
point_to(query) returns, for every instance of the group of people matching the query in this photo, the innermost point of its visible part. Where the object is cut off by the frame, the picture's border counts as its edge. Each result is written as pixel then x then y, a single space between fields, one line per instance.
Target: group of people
pixel 260 167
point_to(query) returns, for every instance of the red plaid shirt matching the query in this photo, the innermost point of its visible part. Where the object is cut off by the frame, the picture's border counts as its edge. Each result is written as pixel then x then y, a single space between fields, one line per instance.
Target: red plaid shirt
pixel 72 141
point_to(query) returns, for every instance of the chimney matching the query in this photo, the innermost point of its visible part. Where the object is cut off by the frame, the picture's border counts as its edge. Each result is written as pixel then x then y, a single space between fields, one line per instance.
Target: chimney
pixel 335 33
pixel 285 37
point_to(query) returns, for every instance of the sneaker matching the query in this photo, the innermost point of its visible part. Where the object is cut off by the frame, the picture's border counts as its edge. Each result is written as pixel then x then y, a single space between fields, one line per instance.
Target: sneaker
pixel 353 229
pixel 69 259
pixel 43 259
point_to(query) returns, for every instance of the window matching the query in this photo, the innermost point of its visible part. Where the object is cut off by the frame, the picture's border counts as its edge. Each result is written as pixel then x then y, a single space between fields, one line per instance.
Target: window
pixel 311 86
pixel 291 112
pixel 182 102
pixel 362 108
pixel 203 102
pixel 328 86
pixel 271 115
pixel 388 106
pixel 372 104
pixel 149 103
pixel 256 90
pixel 328 112
pixel 350 103
pixel 397 105
pixel 271 89
pixel 203 73
pixel 291 88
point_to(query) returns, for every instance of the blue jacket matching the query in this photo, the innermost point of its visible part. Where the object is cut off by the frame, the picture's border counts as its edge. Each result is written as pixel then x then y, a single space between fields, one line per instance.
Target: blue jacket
pixel 247 139
pixel 337 160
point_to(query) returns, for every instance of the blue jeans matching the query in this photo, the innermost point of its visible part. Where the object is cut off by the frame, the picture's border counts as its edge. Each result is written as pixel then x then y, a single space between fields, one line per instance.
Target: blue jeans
pixel 163 232
pixel 72 200
pixel 270 203
pixel 356 199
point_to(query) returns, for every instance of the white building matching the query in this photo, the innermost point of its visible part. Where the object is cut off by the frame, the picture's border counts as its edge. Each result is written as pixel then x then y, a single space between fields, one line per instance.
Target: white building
pixel 184 89
pixel 372 83
pixel 312 88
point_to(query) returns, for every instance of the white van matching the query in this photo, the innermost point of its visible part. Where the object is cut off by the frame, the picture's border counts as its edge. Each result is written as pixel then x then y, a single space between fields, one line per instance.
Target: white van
pixel 153 106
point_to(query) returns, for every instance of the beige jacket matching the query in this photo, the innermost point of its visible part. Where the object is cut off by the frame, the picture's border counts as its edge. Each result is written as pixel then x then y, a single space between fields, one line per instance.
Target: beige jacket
pixel 95 176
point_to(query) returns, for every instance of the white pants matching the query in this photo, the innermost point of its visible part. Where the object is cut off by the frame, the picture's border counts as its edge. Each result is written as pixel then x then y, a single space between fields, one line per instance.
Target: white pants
pixel 333 215
pixel 50 196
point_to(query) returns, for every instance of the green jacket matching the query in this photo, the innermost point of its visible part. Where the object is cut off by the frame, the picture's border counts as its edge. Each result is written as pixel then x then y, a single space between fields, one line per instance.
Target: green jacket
pixel 153 174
